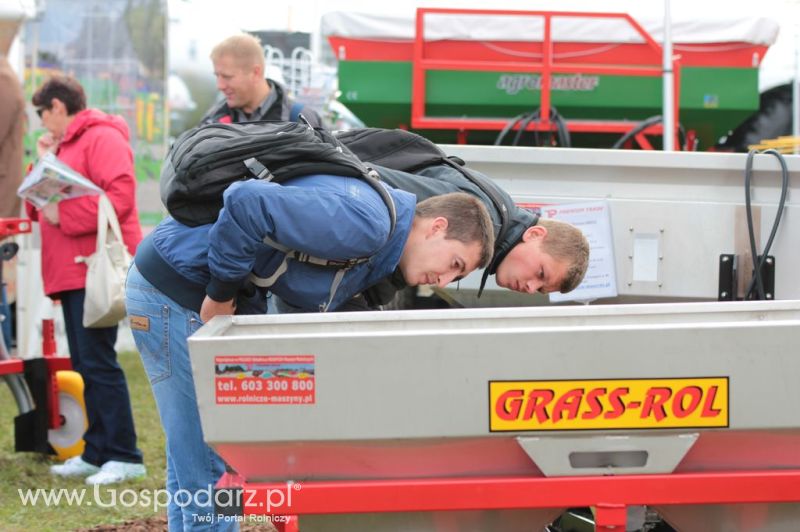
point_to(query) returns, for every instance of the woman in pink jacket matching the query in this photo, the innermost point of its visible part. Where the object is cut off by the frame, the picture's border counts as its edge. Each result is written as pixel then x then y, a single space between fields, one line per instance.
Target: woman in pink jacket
pixel 96 145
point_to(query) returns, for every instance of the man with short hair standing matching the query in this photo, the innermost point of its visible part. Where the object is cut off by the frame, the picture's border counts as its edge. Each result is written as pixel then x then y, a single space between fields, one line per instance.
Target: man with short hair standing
pixel 249 95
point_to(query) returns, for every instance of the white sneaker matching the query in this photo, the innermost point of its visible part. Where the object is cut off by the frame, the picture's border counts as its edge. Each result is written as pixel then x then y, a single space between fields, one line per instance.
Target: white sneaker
pixel 74 467
pixel 113 471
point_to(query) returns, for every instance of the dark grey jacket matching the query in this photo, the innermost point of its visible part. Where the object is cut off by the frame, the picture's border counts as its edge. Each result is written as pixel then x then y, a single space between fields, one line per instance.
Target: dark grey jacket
pixel 283 108
pixel 442 179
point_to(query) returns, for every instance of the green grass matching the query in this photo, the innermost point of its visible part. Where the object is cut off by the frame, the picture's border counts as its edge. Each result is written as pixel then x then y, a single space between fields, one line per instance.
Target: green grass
pixel 30 470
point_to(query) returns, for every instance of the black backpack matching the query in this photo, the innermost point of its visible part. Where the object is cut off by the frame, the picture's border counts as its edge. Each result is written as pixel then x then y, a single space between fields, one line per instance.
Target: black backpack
pixel 408 152
pixel 204 161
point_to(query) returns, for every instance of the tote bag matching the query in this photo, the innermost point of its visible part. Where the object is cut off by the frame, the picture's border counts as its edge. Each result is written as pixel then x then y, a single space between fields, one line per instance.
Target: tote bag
pixel 104 305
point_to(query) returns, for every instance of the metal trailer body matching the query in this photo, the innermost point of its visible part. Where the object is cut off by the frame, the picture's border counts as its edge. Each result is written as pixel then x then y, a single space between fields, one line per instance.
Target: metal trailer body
pixel 692 203
pixel 409 395
pixel 406 398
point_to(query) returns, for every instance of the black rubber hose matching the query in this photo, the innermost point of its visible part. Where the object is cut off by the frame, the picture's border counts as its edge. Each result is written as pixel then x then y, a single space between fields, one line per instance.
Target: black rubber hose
pixel 523 125
pixel 524 120
pixel 509 126
pixel 564 138
pixel 756 281
pixel 644 124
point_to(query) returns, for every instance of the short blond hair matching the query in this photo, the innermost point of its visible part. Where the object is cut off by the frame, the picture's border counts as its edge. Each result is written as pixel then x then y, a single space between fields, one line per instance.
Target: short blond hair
pixel 566 243
pixel 246 50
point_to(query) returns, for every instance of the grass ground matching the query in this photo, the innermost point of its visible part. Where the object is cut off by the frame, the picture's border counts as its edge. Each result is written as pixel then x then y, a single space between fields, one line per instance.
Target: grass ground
pixel 22 471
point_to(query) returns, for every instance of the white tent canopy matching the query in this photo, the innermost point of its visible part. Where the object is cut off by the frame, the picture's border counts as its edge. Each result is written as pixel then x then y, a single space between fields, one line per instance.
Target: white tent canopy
pixel 686 28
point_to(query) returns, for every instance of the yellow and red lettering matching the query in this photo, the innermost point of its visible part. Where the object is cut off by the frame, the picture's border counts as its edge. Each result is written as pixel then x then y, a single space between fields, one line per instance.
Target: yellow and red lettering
pixel 537 404
pixel 593 400
pixel 608 404
pixel 509 404
pixel 570 403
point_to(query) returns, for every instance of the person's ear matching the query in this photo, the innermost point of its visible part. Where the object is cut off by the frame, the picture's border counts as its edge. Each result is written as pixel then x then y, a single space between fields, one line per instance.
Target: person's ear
pixel 258 71
pixel 534 232
pixel 438 225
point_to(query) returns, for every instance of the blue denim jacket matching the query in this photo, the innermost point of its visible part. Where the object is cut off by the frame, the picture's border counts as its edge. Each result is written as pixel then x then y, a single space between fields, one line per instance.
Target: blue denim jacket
pixel 326 216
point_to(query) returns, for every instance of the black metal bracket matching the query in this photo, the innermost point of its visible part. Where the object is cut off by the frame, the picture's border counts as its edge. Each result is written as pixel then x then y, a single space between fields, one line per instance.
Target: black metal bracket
pixel 728 269
pixel 767 279
pixel 728 279
pixel 30 429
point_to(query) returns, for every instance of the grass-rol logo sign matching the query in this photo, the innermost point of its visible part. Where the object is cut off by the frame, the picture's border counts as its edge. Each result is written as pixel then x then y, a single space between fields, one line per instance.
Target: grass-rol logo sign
pixel 608 404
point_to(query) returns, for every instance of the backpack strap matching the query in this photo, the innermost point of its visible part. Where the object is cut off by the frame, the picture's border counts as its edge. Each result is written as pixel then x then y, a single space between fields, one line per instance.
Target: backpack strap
pixel 258 169
pixel 499 205
pixel 494 197
pixel 373 178
pixel 369 174
pixel 291 254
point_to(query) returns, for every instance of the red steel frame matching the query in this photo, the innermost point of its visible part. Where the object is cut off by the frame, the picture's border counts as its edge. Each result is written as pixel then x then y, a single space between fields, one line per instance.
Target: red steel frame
pixel 11 227
pixel 54 364
pixel 610 495
pixel 14 226
pixel 11 366
pixel 547 67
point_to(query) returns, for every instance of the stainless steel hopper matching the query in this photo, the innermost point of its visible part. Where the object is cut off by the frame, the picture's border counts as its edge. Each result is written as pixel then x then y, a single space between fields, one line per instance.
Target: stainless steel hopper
pixel 587 394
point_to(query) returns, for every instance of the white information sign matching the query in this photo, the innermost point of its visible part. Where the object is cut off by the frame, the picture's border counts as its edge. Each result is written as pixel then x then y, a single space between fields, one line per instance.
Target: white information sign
pixel 594 220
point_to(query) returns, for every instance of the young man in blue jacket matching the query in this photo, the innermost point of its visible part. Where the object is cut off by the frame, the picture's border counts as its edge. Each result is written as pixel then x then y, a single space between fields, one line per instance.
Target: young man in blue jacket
pixel 531 254
pixel 183 276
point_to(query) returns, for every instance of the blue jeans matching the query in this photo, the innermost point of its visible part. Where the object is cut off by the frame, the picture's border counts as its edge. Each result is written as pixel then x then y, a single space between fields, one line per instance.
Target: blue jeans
pixel 110 434
pixel 160 329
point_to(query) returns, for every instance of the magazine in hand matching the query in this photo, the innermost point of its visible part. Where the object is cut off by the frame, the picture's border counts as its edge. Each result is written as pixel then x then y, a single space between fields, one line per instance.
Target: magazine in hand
pixel 51 181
